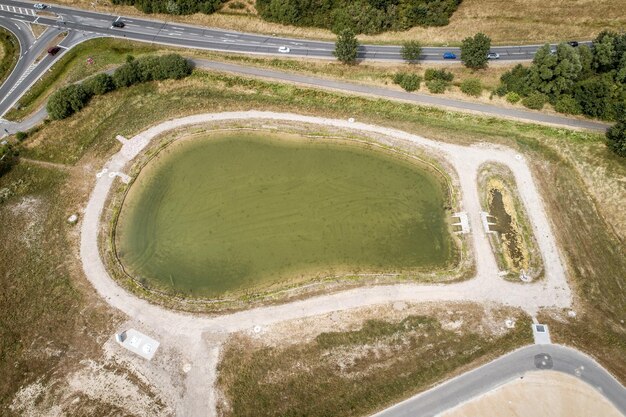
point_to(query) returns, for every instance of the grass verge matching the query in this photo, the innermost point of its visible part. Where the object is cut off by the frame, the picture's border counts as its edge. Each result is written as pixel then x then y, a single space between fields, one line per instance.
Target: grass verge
pixel 356 372
pixel 9 52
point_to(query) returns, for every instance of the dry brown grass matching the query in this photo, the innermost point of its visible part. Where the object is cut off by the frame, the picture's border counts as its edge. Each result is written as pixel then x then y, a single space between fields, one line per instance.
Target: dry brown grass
pixel 38 30
pixel 506 22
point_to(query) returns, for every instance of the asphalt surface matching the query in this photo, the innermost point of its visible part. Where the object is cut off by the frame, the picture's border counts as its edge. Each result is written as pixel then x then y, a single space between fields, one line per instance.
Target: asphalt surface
pixel 507 368
pixel 177 34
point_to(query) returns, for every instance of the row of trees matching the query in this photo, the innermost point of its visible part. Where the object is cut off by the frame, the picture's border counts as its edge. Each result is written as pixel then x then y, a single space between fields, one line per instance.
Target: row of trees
pixel 583 80
pixel 174 6
pixel 360 16
pixel 71 99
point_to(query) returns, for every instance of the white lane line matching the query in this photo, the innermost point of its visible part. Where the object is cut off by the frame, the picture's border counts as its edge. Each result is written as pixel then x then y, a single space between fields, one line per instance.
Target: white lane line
pixel 118 18
pixel 231 35
pixel 24 75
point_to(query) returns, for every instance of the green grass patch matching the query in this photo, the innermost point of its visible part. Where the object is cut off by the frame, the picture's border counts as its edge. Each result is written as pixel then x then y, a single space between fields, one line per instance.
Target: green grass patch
pixel 234 212
pixel 10 49
pixel 352 373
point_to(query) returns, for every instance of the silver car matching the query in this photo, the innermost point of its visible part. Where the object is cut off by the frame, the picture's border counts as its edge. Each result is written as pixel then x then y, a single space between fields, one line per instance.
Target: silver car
pixel 493 55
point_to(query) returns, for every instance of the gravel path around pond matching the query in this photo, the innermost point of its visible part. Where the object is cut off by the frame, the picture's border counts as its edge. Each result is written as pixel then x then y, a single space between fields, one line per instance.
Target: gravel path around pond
pixel 189 332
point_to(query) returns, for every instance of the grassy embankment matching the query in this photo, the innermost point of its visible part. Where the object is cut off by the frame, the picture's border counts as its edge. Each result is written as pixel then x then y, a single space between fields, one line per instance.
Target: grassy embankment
pixel 9 52
pixel 354 373
pixel 36 278
pixel 516 22
pixel 514 242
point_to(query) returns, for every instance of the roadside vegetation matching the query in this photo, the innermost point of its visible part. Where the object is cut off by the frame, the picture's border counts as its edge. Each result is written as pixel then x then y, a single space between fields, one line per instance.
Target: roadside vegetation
pixel 9 52
pixel 580 180
pixel 71 99
pixel 357 372
pixel 575 80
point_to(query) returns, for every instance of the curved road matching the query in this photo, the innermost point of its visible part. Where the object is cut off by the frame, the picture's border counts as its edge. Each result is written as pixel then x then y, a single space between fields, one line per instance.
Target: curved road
pixel 188 36
pixel 506 368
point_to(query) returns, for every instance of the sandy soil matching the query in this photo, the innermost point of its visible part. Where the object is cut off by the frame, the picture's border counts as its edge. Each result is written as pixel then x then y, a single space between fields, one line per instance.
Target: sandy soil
pixel 197 338
pixel 539 394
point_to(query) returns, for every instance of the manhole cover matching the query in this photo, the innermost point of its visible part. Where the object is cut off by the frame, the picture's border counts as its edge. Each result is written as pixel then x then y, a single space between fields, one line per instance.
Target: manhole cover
pixel 543 361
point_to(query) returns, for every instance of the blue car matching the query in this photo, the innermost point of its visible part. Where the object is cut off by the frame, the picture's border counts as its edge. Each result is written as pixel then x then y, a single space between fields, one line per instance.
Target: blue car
pixel 449 55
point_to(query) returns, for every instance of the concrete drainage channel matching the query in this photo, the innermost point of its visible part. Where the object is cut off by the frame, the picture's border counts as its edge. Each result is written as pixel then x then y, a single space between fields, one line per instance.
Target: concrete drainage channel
pixel 187 333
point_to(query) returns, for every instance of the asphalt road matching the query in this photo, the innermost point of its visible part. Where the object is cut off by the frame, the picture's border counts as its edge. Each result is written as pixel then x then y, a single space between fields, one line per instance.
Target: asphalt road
pixel 177 34
pixel 507 368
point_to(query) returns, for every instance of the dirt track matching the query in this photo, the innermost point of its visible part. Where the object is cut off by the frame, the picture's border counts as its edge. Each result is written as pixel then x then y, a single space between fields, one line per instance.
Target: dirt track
pixel 199 337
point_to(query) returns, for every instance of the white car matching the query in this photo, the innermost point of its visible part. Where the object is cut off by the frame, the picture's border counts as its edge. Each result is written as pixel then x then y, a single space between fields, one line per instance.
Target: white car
pixel 493 55
pixel 284 49
pixel 39 6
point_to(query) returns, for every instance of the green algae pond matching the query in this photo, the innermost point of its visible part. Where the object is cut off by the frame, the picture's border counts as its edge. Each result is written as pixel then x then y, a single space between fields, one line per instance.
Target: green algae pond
pixel 238 212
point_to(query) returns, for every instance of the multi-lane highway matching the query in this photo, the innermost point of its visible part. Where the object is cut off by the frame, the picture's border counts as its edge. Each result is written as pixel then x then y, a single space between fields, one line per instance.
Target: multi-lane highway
pixel 507 368
pixel 146 30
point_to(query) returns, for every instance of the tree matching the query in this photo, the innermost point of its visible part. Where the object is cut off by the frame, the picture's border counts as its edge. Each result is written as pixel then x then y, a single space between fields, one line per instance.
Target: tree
pixel 594 96
pixel 127 75
pixel 554 74
pixel 474 51
pixel 346 47
pixel 515 80
pixel 411 51
pixel 616 138
pixel 8 157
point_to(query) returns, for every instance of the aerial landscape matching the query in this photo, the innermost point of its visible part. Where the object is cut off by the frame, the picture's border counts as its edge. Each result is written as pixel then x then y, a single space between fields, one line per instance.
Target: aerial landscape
pixel 313 208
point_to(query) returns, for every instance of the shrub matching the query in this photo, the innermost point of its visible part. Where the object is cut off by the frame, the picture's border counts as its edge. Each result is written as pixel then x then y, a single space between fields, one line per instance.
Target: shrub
pixel 474 51
pixel 8 157
pixel 567 104
pixel 411 51
pixel 173 66
pixel 21 136
pixel 99 84
pixel 616 138
pixel 472 87
pixel 515 80
pixel 436 86
pixel 127 75
pixel 594 96
pixel 67 101
pixel 513 97
pixel 535 101
pixel 346 47
pixel 436 74
pixel 407 80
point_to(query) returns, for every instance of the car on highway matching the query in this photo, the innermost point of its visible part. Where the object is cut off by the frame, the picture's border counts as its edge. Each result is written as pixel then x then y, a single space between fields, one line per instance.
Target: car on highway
pixel 493 55
pixel 284 50
pixel 39 6
pixel 449 55
pixel 573 43
pixel 118 24
pixel 54 50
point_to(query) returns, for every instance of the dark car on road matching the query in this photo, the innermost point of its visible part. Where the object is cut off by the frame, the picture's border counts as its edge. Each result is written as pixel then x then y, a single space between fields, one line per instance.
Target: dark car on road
pixel 118 24
pixel 54 50
pixel 449 55
pixel 573 43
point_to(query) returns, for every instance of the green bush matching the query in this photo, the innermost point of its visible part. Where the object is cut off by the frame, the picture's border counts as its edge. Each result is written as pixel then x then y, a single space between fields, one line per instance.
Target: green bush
pixel 127 75
pixel 567 104
pixel 436 74
pixel 237 5
pixel 515 81
pixel 436 86
pixel 512 97
pixel 407 80
pixel 99 84
pixel 67 101
pixel 8 157
pixel 21 136
pixel 472 87
pixel 616 138
pixel 411 51
pixel 535 101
